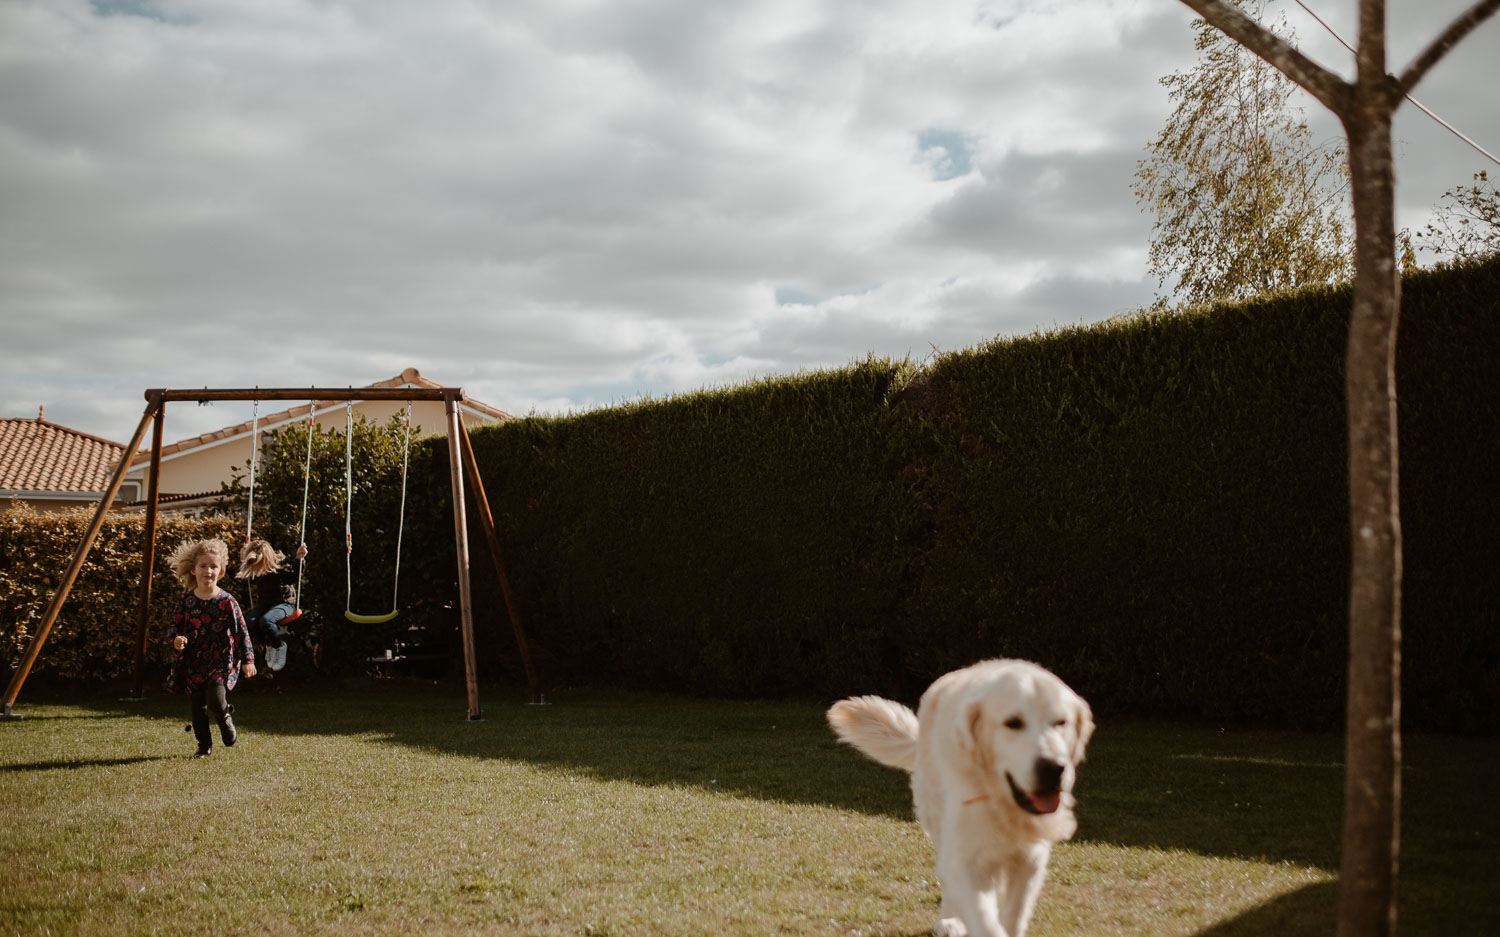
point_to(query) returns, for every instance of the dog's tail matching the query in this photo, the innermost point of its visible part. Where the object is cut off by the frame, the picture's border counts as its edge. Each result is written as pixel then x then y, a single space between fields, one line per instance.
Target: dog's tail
pixel 883 729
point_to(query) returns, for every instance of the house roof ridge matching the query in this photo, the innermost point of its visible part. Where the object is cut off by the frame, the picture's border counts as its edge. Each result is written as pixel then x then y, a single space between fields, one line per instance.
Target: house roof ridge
pixel 39 455
pixel 42 421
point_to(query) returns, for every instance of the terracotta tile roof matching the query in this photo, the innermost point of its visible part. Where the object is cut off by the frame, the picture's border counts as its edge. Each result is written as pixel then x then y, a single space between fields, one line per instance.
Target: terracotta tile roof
pixel 38 455
pixel 410 377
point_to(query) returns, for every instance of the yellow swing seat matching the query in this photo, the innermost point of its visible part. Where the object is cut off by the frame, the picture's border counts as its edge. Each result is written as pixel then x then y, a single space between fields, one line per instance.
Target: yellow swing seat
pixel 369 619
pixel 348 529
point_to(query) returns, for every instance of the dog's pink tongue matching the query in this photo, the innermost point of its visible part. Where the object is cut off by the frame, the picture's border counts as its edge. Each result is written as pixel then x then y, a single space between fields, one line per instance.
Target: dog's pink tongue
pixel 1047 803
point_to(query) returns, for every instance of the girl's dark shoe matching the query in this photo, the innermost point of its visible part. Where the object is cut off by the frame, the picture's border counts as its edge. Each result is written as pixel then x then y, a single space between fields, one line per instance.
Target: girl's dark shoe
pixel 204 751
pixel 227 730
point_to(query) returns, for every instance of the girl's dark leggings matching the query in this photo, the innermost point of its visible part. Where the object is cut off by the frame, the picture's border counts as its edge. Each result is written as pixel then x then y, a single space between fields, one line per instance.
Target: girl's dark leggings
pixel 208 699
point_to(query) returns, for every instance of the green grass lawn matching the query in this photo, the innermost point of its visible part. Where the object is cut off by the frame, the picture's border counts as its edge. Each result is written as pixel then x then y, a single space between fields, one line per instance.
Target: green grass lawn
pixel 379 809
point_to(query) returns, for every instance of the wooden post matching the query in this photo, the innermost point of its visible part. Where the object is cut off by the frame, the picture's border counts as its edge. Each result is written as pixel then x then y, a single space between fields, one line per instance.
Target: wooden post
pixel 71 575
pixel 148 555
pixel 487 521
pixel 461 544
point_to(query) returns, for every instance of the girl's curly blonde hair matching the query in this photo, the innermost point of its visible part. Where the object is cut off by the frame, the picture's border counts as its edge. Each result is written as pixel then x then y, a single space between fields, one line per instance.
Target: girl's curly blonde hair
pixel 257 558
pixel 185 557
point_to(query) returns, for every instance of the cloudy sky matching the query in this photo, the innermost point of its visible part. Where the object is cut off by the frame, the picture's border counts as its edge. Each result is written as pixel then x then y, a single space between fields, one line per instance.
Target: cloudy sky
pixel 563 204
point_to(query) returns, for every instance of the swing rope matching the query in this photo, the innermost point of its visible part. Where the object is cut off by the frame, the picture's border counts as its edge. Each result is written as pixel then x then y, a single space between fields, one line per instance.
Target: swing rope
pixel 312 409
pixel 348 514
pixel 254 453
pixel 401 515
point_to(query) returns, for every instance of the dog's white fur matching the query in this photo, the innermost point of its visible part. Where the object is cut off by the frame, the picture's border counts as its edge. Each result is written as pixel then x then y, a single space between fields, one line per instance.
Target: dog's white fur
pixel 993 751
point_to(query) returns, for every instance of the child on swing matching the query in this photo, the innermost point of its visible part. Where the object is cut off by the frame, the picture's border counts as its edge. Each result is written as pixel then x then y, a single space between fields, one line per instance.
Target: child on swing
pixel 277 599
pixel 211 639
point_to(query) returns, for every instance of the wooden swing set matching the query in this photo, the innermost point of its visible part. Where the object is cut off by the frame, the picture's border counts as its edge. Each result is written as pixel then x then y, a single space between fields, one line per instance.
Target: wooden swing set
pixel 460 452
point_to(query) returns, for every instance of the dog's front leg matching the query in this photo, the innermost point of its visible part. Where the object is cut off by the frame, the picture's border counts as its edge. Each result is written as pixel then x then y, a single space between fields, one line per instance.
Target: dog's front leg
pixel 949 923
pixel 969 900
pixel 1024 875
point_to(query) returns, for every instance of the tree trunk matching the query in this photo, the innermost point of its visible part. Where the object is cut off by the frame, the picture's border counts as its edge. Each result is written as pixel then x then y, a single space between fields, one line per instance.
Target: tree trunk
pixel 1372 787
pixel 1372 772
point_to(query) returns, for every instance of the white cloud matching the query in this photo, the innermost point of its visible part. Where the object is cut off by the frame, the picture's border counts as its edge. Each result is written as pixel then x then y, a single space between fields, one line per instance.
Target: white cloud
pixel 566 203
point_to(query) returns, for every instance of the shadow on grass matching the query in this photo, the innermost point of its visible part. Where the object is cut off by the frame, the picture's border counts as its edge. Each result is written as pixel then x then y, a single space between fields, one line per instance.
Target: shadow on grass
pixel 1256 795
pixel 1306 912
pixel 81 763
pixel 68 717
pixel 1259 796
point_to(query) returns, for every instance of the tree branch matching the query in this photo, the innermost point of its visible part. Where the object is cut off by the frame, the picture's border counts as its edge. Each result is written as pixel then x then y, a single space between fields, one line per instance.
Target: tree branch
pixel 1434 53
pixel 1335 93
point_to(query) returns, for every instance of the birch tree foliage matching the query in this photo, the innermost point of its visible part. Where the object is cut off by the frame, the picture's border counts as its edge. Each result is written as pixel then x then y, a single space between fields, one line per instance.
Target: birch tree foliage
pixel 1246 201
pixel 1466 223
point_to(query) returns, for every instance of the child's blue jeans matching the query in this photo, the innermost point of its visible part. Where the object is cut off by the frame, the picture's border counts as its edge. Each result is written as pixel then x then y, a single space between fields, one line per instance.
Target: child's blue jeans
pixel 266 626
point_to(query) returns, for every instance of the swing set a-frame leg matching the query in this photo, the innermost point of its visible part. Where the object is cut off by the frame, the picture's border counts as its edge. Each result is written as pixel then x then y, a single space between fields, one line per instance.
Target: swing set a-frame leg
pixel 461 549
pixel 148 559
pixel 49 618
pixel 487 521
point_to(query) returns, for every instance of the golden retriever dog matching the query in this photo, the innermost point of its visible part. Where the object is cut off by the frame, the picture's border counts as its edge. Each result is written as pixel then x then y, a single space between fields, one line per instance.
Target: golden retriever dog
pixel 993 751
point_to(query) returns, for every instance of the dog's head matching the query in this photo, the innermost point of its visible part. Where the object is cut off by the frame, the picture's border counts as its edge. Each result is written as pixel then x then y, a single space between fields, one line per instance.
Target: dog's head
pixel 1025 726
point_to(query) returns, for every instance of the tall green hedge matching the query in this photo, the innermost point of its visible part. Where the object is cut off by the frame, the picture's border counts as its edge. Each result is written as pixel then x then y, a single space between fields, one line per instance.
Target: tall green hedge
pixel 1448 379
pixel 743 541
pixel 93 638
pixel 1155 507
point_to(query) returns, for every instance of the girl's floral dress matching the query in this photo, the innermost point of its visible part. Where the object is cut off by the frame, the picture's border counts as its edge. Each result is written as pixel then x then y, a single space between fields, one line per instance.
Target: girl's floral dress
pixel 218 642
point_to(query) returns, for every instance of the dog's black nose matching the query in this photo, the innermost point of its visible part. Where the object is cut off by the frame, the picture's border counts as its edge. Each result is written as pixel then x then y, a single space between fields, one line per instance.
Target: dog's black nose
pixel 1048 774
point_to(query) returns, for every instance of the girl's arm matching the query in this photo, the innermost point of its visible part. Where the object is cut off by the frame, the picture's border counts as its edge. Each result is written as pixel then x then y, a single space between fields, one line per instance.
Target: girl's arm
pixel 175 637
pixel 241 637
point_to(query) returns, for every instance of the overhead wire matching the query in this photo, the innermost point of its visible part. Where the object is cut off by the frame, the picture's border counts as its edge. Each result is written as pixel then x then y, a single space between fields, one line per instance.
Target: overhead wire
pixel 1419 105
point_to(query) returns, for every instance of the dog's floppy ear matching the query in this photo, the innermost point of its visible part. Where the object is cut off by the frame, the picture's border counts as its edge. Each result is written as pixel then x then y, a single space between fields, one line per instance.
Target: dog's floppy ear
pixel 1083 727
pixel 971 729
